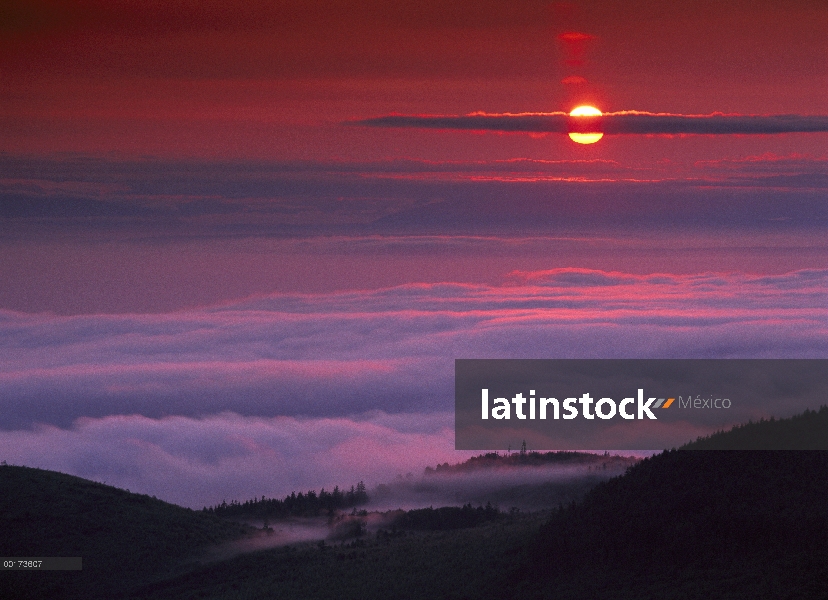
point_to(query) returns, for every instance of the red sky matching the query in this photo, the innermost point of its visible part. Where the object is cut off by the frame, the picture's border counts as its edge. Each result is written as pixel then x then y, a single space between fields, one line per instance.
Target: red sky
pixel 274 80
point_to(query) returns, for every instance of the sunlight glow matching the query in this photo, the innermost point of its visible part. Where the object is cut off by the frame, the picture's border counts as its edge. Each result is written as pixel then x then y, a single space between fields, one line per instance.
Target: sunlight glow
pixel 585 138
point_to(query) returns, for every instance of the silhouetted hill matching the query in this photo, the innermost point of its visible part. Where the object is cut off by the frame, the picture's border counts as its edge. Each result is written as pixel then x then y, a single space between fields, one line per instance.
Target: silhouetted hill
pixel 562 458
pixel 122 537
pixel 808 431
pixel 694 524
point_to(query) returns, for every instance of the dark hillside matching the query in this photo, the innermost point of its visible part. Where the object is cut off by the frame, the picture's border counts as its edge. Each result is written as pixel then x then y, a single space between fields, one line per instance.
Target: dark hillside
pixel 692 524
pixel 808 431
pixel 461 564
pixel 122 537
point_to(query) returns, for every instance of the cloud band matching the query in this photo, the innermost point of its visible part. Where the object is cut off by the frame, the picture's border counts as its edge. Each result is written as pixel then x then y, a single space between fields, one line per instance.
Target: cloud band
pixel 612 123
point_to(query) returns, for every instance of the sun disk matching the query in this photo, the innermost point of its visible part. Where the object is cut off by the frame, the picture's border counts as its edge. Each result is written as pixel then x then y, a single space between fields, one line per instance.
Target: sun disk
pixel 585 138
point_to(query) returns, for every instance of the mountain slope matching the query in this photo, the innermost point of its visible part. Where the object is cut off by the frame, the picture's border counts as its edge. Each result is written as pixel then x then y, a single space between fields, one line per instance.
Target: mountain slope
pixel 808 431
pixel 688 523
pixel 122 537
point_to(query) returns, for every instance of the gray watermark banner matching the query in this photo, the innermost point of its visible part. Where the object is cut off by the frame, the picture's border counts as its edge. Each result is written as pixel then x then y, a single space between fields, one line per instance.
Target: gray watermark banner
pixel 624 404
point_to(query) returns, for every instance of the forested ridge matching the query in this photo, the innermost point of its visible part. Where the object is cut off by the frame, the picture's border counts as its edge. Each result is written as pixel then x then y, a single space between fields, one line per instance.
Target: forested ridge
pixel 324 502
pixel 446 517
pixel 122 537
pixel 694 524
pixel 528 458
pixel 309 504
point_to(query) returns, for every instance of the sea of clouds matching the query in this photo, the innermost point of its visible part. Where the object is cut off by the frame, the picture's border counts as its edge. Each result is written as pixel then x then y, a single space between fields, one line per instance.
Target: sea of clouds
pixel 294 392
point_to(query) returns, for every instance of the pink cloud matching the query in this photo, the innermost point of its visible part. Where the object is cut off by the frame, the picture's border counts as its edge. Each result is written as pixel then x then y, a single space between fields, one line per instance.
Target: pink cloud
pixel 390 349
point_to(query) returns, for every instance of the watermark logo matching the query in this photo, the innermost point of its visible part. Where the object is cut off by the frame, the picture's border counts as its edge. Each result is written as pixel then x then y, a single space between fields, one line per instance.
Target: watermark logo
pixel 636 404
pixel 605 408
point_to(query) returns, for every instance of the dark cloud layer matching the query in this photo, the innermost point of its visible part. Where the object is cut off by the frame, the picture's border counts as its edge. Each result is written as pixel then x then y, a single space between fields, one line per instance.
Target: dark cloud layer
pixel 282 199
pixel 613 123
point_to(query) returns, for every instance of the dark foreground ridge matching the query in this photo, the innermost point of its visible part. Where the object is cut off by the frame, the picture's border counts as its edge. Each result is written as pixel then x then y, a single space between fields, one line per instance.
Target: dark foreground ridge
pixel 730 524
pixel 122 537
pixel 695 524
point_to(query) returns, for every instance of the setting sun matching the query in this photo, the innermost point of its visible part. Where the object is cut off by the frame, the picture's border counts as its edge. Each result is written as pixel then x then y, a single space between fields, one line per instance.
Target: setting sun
pixel 585 138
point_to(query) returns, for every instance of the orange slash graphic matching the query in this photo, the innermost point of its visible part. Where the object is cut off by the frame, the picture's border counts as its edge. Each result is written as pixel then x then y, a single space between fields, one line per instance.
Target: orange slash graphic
pixel 668 403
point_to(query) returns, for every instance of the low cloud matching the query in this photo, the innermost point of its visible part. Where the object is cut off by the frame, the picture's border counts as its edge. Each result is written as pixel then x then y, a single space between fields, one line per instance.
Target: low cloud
pixel 522 487
pixel 389 349
pixel 198 462
pixel 202 462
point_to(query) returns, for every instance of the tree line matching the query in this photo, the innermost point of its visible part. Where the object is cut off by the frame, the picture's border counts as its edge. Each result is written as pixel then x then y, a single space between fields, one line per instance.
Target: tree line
pixel 447 517
pixel 309 504
pixel 524 458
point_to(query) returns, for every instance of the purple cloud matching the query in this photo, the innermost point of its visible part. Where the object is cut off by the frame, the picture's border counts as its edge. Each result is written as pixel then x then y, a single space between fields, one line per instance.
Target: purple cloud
pixel 390 349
